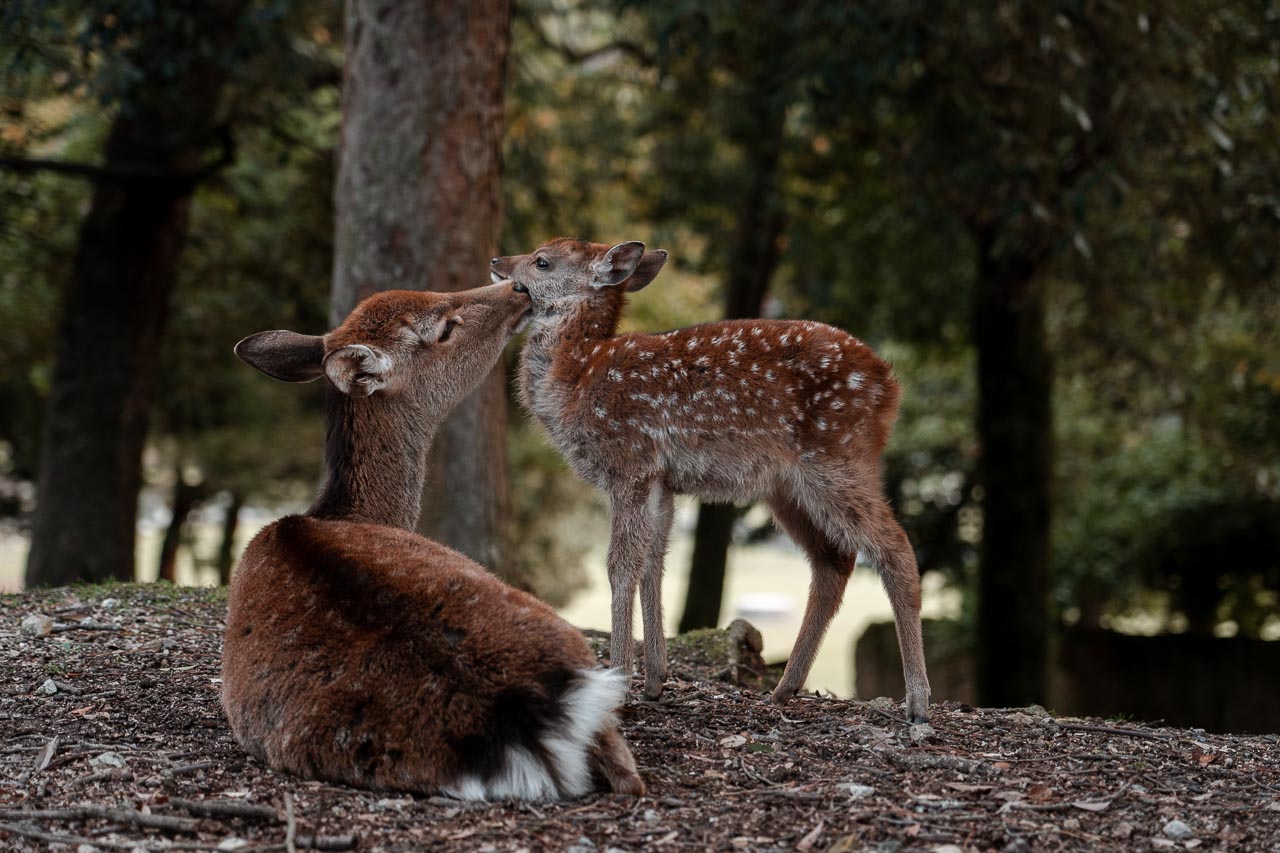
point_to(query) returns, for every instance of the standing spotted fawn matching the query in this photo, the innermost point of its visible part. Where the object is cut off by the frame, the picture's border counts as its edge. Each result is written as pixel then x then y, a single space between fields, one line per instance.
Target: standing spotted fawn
pixel 360 652
pixel 793 413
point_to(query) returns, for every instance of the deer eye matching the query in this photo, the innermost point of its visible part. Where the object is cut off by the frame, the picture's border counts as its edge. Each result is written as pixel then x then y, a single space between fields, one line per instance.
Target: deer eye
pixel 541 263
pixel 448 329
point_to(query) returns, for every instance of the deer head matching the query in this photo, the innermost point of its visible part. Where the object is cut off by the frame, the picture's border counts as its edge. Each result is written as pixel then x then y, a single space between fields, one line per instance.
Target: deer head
pixel 562 273
pixel 435 346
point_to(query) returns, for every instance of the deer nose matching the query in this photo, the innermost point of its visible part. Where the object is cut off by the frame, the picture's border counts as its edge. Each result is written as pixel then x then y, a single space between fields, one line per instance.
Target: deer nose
pixel 493 262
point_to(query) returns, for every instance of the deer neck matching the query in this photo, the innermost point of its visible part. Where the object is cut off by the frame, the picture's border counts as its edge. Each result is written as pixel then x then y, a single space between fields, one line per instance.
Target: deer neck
pixel 375 459
pixel 556 350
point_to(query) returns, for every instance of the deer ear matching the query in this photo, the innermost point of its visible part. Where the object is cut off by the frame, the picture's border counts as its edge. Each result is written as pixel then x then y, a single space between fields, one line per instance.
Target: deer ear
pixel 358 370
pixel 618 264
pixel 647 270
pixel 287 356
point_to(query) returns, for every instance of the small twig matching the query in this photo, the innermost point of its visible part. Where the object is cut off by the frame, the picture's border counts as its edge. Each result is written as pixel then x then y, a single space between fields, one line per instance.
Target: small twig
pixel 173 824
pixel 290 826
pixel 1112 730
pixel 114 775
pixel 326 842
pixel 59 838
pixel 899 720
pixel 183 769
pixel 224 808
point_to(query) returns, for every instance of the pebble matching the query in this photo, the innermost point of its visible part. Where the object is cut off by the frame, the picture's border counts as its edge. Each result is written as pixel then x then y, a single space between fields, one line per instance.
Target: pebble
pixel 855 790
pixel 584 845
pixel 921 732
pixel 108 759
pixel 86 848
pixel 48 688
pixel 37 625
pixel 1177 830
pixel 109 603
pixel 232 843
pixel 651 816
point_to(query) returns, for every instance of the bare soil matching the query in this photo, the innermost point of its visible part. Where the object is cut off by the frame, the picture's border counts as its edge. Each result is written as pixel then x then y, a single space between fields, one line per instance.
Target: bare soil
pixel 131 751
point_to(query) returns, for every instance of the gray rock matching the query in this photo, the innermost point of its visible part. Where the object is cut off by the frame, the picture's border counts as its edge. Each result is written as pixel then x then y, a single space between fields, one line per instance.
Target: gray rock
pixel 48 688
pixel 1177 830
pixel 37 625
pixel 108 759
pixel 651 816
pixel 109 603
pixel 583 845
pixel 921 732
pixel 855 790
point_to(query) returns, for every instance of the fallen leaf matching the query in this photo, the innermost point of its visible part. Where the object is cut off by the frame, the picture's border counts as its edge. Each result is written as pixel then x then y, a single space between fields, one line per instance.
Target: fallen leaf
pixel 46 754
pixel 732 741
pixel 1039 793
pixel 845 844
pixel 1094 806
pixel 811 837
pixel 1204 758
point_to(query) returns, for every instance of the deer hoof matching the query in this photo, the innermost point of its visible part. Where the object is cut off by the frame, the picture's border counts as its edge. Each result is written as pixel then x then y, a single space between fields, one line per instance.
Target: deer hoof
pixel 783 695
pixel 653 689
pixel 917 708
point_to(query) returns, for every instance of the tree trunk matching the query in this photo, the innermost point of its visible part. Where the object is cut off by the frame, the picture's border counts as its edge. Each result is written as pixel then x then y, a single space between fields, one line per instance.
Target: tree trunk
pixel 419 206
pixel 1015 432
pixel 185 499
pixel 753 258
pixel 116 302
pixel 227 547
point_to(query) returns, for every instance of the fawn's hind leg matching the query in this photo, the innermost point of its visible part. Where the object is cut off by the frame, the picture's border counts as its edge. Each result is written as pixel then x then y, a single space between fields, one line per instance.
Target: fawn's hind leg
pixel 661 508
pixel 831 566
pixel 886 543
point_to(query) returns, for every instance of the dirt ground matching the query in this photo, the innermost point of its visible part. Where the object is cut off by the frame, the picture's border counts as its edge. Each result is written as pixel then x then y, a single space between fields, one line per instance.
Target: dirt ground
pixel 111 738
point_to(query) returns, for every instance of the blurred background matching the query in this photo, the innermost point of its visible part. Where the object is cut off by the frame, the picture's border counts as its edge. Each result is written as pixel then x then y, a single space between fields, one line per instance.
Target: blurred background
pixel 1059 220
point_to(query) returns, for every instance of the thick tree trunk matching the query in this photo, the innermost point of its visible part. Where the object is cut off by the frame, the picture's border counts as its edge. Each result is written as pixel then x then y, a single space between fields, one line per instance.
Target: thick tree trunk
pixel 1015 431
pixel 185 499
pixel 419 206
pixel 227 547
pixel 115 304
pixel 753 258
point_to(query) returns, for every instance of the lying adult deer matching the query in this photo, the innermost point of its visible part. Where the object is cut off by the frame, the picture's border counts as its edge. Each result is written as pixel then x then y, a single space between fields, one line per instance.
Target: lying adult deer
pixel 793 413
pixel 358 651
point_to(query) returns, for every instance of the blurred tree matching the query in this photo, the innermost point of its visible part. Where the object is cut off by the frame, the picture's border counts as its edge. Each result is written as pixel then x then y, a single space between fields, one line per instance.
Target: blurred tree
pixel 158 149
pixel 418 202
pixel 1015 121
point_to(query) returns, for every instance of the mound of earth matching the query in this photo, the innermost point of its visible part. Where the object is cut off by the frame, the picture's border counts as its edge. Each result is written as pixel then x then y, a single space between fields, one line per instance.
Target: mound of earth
pixel 111 738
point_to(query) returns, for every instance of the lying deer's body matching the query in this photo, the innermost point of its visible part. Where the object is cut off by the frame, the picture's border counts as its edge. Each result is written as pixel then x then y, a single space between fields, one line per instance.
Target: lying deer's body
pixel 360 652
pixel 793 413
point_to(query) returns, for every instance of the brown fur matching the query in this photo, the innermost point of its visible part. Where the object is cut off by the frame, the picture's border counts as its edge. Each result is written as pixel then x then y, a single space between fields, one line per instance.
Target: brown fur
pixel 361 653
pixel 794 413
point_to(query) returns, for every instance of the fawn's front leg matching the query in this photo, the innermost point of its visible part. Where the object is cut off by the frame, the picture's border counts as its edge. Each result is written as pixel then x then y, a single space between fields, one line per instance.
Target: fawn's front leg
pixel 629 541
pixel 661 506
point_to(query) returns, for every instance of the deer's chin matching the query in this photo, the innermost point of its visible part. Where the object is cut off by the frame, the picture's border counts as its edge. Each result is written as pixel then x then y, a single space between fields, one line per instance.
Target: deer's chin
pixel 495 277
pixel 522 322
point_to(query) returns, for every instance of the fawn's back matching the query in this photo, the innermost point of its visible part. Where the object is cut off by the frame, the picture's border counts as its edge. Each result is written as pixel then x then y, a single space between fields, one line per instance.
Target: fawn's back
pixel 719 409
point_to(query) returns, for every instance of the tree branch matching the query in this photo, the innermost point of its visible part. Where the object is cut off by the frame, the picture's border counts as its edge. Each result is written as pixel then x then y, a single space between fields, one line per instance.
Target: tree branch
pixel 93 172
